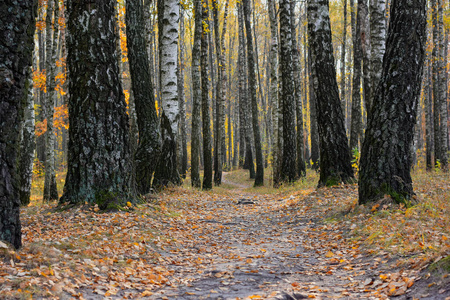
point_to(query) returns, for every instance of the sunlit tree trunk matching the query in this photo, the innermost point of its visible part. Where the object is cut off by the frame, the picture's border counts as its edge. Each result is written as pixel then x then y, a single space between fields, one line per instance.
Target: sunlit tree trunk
pixel 40 108
pixel 196 96
pixel 50 190
pixel 335 166
pixel 435 80
pixel 206 118
pixel 147 152
pixel 99 151
pixel 259 176
pixel 385 158
pixel 168 17
pixel 356 118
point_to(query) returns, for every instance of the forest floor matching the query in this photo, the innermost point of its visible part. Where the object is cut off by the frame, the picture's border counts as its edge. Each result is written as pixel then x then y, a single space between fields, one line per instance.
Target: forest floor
pixel 237 242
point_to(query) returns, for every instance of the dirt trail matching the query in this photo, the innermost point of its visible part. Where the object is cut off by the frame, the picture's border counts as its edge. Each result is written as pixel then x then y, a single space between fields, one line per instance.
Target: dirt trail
pixel 262 247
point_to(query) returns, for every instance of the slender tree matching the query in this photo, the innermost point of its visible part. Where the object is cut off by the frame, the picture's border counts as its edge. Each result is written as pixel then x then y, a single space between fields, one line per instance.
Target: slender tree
pixel 343 63
pixel 206 118
pixel 196 96
pixel 181 100
pixel 50 189
pixel 385 158
pixel 442 86
pixel 168 17
pixel 259 176
pixel 16 48
pixel 288 170
pixel 273 91
pixel 363 19
pixel 27 146
pixel 300 166
pixel 99 151
pixel 147 152
pixel 356 118
pixel 335 166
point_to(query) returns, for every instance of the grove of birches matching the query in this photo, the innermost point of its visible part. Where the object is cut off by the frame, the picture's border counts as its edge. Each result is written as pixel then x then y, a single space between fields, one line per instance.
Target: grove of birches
pixel 132 96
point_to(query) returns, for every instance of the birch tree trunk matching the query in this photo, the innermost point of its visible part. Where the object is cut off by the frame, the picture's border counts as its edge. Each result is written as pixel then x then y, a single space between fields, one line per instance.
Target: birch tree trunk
pixel 181 100
pixel 99 151
pixel 436 89
pixel 343 65
pixel 315 151
pixel 363 18
pixel 356 118
pixel 206 118
pixel 50 190
pixel 244 106
pixel 168 17
pixel 385 157
pixel 377 39
pixel 442 86
pixel 27 145
pixel 288 170
pixel 300 166
pixel 429 120
pixel 146 156
pixel 259 176
pixel 273 90
pixel 196 96
pixel 16 49
pixel 335 166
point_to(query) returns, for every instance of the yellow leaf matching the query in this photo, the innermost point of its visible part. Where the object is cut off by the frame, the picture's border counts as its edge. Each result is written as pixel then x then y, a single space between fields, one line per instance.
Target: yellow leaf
pixel 146 293
pixel 129 204
pixel 329 254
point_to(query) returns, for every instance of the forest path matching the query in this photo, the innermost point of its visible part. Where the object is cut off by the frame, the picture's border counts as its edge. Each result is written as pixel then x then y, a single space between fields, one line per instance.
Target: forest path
pixel 252 246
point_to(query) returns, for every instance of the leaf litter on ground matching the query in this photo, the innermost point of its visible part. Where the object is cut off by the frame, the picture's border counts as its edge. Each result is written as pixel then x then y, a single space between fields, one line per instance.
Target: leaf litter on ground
pixel 187 244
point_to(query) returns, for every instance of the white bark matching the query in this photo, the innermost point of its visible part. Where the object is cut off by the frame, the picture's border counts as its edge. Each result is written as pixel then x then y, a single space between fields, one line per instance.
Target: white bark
pixel 169 62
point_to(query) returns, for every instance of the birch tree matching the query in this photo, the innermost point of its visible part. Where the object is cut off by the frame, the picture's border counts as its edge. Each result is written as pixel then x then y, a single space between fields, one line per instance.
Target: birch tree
pixel 16 48
pixel 259 176
pixel 147 152
pixel 385 157
pixel 196 95
pixel 288 170
pixel 335 166
pixel 99 152
pixel 50 190
pixel 168 17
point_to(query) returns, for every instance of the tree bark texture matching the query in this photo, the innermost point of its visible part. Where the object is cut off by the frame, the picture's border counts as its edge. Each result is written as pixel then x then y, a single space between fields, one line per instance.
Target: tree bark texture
pixel 356 117
pixel 442 86
pixel 181 101
pixel 300 166
pixel 206 118
pixel 377 10
pixel 149 145
pixel 196 96
pixel 315 151
pixel 50 190
pixel 259 176
pixel 385 157
pixel 273 90
pixel 363 18
pixel 335 166
pixel 288 170
pixel 168 18
pixel 343 56
pixel 99 151
pixel 16 48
